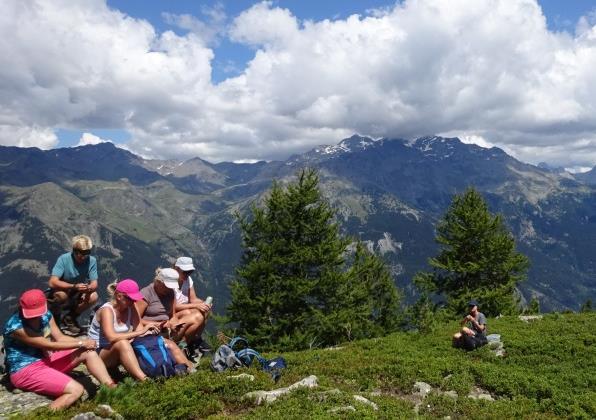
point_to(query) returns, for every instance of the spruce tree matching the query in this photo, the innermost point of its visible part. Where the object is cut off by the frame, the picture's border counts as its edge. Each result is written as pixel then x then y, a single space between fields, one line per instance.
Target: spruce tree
pixel 477 259
pixel 293 286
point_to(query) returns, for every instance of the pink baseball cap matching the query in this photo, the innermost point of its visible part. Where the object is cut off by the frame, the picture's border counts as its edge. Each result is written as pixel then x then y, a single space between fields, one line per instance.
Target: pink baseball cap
pixel 130 288
pixel 33 303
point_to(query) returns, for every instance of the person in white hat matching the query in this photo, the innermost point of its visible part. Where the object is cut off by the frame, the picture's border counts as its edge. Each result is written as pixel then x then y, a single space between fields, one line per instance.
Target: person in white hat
pixel 157 308
pixel 189 309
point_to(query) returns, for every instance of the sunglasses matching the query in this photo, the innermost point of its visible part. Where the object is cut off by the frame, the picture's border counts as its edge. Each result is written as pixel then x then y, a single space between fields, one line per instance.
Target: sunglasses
pixel 83 252
pixel 188 273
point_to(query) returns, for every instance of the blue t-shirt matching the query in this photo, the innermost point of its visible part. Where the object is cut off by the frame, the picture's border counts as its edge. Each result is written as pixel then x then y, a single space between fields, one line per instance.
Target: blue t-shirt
pixel 19 355
pixel 68 270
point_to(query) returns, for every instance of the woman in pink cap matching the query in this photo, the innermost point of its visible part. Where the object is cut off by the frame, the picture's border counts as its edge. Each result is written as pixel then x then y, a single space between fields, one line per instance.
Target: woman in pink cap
pixel 38 355
pixel 116 323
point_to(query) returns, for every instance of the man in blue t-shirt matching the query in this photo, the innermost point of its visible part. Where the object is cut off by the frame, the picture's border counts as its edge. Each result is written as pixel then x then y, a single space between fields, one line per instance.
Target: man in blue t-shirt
pixel 74 281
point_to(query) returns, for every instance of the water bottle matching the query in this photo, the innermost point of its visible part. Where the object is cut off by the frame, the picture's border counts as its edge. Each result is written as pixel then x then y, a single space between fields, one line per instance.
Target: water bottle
pixel 208 301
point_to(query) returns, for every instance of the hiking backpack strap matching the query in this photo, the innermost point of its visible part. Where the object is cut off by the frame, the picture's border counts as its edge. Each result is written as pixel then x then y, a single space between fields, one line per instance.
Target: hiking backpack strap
pixel 236 341
pixel 247 355
pixel 146 356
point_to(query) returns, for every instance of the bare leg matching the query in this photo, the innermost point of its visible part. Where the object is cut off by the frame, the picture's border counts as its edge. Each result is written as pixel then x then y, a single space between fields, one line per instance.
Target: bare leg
pixel 195 323
pixel 87 301
pixel 178 354
pixel 60 296
pixel 122 352
pixel 72 392
pixel 95 366
pixel 467 331
pixel 195 329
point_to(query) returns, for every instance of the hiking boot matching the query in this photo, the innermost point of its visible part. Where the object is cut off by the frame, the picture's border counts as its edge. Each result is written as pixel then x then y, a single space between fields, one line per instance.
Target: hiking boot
pixel 190 354
pixel 202 346
pixel 70 325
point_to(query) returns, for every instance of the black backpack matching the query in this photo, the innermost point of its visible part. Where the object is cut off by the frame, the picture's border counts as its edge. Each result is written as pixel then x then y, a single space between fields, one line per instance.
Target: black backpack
pixel 154 357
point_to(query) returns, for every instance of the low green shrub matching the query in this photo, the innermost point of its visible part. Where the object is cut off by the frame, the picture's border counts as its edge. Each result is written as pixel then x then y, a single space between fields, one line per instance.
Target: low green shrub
pixel 549 371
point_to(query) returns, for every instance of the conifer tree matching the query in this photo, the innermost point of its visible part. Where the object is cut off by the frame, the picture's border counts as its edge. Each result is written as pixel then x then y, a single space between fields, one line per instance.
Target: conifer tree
pixel 293 286
pixel 477 259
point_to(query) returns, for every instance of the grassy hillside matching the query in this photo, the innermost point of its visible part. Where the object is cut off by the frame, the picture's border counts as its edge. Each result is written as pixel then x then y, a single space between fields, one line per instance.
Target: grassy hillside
pixel 549 371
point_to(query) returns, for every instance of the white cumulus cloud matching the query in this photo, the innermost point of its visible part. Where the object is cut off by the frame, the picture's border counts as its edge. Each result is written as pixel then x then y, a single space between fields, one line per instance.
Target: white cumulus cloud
pixel 89 138
pixel 489 70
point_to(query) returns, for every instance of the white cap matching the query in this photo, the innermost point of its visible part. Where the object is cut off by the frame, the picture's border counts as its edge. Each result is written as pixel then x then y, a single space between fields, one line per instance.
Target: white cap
pixel 184 264
pixel 169 277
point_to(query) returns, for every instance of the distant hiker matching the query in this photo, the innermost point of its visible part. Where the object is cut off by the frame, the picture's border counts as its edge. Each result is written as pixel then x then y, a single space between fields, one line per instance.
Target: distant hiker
pixel 157 308
pixel 473 332
pixel 188 308
pixel 39 355
pixel 116 323
pixel 74 282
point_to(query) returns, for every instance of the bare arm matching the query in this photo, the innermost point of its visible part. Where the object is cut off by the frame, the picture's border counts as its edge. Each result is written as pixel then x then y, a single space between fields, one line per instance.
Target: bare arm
pixel 480 327
pixel 57 334
pixel 43 343
pixel 92 286
pixel 57 284
pixel 106 321
pixel 141 307
pixel 193 303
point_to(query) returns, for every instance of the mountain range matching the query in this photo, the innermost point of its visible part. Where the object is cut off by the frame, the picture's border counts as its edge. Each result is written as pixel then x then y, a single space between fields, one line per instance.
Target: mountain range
pixel 387 192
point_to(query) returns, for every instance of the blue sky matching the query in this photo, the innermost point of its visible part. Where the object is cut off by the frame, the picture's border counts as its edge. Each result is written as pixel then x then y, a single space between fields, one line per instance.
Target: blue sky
pixel 241 80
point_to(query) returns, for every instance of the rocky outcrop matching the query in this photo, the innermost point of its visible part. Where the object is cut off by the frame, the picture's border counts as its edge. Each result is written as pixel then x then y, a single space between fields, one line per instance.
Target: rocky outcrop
pixel 261 397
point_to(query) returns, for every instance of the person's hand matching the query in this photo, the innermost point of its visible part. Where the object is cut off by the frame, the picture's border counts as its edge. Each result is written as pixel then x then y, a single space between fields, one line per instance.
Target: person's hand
pixel 470 318
pixel 81 287
pixel 177 327
pixel 150 330
pixel 203 307
pixel 89 344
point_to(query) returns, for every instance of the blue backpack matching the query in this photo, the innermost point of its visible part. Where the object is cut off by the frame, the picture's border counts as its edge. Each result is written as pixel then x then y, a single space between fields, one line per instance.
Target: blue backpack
pixel 154 357
pixel 247 355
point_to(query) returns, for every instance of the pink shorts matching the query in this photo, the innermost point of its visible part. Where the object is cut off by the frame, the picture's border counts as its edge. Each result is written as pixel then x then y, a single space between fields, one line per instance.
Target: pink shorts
pixel 46 376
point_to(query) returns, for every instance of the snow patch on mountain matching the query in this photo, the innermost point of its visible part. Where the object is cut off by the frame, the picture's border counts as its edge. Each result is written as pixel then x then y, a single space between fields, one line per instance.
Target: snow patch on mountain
pixel 384 245
pixel 387 244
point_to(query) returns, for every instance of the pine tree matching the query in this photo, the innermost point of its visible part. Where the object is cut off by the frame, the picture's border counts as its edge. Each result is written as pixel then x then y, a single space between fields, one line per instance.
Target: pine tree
pixel 477 259
pixel 293 286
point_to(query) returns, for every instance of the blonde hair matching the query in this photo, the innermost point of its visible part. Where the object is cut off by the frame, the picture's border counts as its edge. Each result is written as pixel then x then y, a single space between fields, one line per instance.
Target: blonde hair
pixel 82 242
pixel 157 276
pixel 112 288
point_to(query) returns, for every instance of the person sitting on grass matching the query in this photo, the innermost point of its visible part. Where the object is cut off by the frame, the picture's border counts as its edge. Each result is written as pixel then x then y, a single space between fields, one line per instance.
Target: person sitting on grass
pixel 39 355
pixel 188 308
pixel 73 282
pixel 116 323
pixel 157 309
pixel 473 332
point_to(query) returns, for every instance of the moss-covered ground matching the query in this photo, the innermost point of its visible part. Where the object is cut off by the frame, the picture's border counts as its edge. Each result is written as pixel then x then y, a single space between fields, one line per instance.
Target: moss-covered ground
pixel 549 371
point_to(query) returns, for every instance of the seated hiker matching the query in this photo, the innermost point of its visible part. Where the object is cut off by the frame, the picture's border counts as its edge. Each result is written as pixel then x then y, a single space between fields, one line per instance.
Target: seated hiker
pixel 73 282
pixel 157 309
pixel 473 332
pixel 39 355
pixel 188 308
pixel 116 323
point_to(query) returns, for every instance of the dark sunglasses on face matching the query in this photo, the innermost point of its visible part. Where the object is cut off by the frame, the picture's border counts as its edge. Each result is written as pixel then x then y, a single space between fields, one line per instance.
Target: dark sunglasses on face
pixel 83 252
pixel 188 273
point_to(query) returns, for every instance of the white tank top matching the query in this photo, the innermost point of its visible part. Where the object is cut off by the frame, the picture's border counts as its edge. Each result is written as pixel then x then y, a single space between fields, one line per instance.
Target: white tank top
pixel 183 293
pixel 95 332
